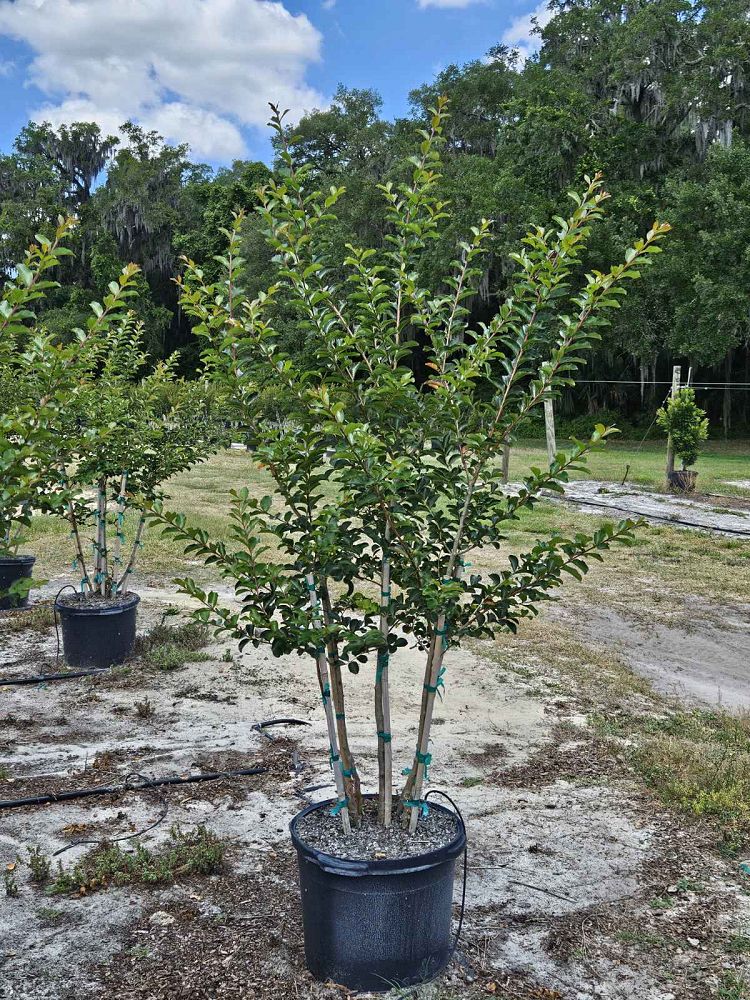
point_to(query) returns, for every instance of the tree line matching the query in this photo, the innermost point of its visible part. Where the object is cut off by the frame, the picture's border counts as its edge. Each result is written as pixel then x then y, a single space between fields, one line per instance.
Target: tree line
pixel 652 93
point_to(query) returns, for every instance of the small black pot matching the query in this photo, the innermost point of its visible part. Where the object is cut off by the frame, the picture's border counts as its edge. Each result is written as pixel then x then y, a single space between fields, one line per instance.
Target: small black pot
pixel 98 636
pixel 14 568
pixel 373 925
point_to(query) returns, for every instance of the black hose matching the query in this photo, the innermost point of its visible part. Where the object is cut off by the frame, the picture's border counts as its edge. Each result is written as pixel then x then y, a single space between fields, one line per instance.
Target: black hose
pixel 82 793
pixel 435 791
pixel 41 678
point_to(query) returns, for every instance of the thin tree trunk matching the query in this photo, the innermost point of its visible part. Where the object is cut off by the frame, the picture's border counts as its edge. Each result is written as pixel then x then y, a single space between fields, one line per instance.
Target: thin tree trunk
pixel 433 681
pixel 122 585
pixel 352 787
pixel 119 533
pixel 325 688
pixel 382 695
pixel 101 537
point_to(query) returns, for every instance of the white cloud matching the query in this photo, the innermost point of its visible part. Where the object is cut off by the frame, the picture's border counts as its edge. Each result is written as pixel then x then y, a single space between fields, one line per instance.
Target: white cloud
pixel 196 70
pixel 519 35
pixel 447 4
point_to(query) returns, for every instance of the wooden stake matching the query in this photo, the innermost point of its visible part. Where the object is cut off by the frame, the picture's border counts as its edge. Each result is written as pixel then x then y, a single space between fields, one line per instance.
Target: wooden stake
pixel 549 427
pixel 676 373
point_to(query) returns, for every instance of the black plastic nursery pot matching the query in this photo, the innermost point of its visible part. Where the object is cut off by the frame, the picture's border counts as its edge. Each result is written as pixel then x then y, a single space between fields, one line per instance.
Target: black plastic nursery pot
pixel 373 925
pixel 14 568
pixel 97 635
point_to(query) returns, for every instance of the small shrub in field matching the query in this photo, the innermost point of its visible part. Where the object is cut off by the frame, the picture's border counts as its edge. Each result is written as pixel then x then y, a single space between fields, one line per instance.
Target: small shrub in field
pixel 686 423
pixel 40 865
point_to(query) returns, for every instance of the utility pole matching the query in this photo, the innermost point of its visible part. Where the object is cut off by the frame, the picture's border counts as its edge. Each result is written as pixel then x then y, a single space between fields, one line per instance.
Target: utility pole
pixel 506 460
pixel 549 426
pixel 676 374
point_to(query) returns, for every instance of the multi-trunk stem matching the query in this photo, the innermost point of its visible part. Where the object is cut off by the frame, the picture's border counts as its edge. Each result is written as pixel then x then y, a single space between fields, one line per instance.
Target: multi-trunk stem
pixel 352 788
pixel 411 796
pixel 342 806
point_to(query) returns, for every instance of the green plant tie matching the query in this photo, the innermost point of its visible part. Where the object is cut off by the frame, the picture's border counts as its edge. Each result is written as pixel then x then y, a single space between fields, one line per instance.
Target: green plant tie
pixel 349 773
pixel 418 804
pixel 75 563
pixel 462 563
pixel 334 757
pixel 326 694
pixel 310 587
pixel 340 716
pixel 426 759
pixel 384 736
pixel 385 593
pixel 84 581
pixel 440 683
pixel 340 805
pixel 443 633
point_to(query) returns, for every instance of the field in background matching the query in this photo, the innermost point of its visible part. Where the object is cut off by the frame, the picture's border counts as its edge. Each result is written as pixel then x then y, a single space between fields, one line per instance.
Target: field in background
pixel 719 462
pixel 671 562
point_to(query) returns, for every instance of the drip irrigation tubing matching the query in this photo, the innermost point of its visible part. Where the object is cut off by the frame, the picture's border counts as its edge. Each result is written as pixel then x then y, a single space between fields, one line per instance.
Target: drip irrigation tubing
pixel 128 786
pixel 655 517
pixel 42 678
pixel 444 795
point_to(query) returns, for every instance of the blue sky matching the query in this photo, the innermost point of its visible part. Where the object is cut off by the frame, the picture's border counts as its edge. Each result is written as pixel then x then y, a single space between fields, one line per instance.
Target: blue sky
pixel 202 71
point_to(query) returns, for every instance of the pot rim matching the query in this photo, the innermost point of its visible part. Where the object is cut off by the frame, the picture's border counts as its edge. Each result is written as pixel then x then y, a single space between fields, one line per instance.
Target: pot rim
pixel 20 560
pixel 91 611
pixel 335 865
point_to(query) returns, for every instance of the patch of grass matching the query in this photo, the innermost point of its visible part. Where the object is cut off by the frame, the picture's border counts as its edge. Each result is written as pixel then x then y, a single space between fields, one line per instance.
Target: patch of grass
pixel 36 618
pixel 171 656
pixel 472 782
pixel 662 903
pixel 739 944
pixel 168 647
pixel 4 773
pixel 198 852
pixel 642 939
pixel 700 762
pixel 733 986
pixel 49 915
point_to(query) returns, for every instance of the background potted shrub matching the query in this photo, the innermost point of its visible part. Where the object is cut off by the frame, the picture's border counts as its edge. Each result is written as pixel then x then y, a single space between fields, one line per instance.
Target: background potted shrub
pixel 687 424
pixel 383 487
pixel 40 376
pixel 131 430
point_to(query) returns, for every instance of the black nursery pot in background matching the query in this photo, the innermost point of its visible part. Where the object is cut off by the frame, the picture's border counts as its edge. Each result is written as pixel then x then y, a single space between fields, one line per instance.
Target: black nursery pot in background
pixel 373 925
pixel 97 635
pixel 14 568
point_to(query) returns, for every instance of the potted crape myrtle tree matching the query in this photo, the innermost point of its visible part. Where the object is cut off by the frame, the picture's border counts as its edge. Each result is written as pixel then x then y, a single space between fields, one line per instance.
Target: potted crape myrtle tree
pixel 132 430
pixel 382 490
pixel 40 377
pixel 687 426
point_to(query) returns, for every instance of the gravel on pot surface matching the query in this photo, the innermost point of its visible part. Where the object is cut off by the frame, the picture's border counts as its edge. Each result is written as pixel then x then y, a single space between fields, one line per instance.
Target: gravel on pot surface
pixel 370 842
pixel 94 600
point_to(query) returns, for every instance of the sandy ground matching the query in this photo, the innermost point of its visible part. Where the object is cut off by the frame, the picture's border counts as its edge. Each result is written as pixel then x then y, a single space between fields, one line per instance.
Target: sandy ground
pixel 566 854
